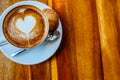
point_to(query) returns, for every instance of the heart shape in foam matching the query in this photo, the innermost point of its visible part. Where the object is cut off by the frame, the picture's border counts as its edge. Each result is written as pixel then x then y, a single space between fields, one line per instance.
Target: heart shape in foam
pixel 26 25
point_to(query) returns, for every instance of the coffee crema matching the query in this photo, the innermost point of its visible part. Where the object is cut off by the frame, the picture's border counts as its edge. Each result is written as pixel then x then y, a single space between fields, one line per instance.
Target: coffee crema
pixel 24 26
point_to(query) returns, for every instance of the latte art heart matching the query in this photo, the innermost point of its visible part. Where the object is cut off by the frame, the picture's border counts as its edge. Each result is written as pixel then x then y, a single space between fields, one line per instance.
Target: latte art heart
pixel 26 25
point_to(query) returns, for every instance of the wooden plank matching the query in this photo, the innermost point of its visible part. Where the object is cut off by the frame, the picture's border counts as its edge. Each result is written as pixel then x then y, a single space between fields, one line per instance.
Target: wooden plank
pixel 43 1
pixel 66 58
pixel 109 37
pixel 41 71
pixel 87 39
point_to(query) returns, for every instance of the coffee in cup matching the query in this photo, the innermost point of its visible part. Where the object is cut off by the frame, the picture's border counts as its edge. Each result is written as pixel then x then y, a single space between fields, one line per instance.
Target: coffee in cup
pixel 25 26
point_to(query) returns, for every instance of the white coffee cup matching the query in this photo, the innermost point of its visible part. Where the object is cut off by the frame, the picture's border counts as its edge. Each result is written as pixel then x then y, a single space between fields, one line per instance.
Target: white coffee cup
pixel 37 4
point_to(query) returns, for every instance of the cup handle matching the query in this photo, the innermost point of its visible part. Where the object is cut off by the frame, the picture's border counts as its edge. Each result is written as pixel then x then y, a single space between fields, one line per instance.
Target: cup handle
pixel 2 40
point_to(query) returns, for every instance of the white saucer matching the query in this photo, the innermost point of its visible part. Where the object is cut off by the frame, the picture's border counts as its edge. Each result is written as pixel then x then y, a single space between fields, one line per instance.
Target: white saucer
pixel 37 54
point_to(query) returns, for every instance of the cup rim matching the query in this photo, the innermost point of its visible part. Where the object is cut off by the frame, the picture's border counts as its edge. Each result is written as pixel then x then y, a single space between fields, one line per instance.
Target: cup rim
pixel 32 3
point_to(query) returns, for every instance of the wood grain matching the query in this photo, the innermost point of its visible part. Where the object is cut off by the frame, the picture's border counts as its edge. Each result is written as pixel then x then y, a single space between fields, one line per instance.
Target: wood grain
pixel 109 38
pixel 67 60
pixel 87 40
pixel 90 45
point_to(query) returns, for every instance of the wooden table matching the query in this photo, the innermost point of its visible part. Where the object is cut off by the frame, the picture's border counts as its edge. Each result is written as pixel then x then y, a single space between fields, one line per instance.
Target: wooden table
pixel 90 48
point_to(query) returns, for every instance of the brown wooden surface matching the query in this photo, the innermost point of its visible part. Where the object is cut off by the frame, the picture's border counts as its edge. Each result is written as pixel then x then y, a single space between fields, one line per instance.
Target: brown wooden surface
pixel 90 48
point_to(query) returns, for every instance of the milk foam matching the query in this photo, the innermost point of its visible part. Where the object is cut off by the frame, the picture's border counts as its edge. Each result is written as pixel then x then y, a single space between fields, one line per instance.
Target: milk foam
pixel 26 25
pixel 21 10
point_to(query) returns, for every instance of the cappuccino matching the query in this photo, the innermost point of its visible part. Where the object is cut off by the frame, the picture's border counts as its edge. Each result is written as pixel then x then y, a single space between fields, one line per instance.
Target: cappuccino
pixel 24 26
